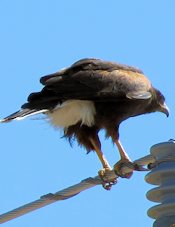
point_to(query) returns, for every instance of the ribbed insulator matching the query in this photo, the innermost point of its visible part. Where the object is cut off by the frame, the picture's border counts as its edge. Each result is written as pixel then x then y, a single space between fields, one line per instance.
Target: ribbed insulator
pixel 164 176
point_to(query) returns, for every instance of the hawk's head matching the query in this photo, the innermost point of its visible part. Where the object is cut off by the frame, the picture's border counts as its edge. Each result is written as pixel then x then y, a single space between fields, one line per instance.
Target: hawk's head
pixel 159 101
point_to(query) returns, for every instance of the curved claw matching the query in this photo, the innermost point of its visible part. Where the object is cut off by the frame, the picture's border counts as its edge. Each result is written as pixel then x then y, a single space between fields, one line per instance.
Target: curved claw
pixel 124 175
pixel 119 168
pixel 107 184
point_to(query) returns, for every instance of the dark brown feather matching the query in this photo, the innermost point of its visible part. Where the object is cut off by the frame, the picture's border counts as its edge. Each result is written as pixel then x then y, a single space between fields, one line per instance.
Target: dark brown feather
pixel 118 92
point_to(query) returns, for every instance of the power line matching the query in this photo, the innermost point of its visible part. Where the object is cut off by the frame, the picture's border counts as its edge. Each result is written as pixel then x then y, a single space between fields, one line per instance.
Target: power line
pixel 70 191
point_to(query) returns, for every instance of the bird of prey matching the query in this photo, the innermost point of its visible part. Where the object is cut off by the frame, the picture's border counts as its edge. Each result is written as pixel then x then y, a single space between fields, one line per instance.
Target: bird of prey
pixel 91 95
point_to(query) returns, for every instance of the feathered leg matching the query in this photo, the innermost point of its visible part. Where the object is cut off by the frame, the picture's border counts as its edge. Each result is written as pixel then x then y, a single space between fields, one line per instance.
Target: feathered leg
pixel 88 136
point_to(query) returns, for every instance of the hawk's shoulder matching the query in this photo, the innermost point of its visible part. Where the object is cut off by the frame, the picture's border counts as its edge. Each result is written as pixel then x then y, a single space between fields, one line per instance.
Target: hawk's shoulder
pixel 98 64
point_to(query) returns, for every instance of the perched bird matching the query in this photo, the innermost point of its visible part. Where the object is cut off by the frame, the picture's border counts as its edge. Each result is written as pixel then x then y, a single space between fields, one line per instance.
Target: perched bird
pixel 91 95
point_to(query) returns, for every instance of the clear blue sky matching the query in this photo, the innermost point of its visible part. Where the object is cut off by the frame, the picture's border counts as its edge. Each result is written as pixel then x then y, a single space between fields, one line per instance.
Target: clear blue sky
pixel 40 37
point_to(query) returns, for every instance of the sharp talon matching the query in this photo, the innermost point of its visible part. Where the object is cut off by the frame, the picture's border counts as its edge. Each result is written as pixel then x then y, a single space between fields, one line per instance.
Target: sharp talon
pixel 124 163
pixel 125 175
pixel 103 173
pixel 108 185
pixel 131 165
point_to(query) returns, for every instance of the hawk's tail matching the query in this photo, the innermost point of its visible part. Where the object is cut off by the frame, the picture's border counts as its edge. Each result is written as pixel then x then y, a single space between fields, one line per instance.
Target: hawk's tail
pixel 21 114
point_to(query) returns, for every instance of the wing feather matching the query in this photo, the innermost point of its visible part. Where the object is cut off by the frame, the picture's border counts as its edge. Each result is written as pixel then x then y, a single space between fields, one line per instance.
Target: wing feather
pixel 91 79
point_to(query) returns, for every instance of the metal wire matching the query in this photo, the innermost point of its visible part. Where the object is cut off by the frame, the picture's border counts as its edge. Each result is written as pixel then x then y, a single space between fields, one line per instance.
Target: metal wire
pixel 69 192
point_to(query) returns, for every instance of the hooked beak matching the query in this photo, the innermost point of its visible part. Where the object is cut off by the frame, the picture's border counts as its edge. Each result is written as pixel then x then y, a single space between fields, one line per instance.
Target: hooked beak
pixel 164 109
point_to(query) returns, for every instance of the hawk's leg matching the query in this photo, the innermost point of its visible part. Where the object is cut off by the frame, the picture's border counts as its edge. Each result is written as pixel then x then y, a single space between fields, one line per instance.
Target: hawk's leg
pixel 106 167
pixel 124 161
pixel 100 154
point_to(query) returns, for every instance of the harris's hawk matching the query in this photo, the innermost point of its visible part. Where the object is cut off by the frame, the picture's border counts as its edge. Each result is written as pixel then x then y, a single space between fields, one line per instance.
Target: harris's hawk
pixel 91 95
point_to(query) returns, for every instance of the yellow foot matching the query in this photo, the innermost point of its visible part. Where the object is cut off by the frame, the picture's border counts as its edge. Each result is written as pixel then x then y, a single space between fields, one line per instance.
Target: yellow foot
pixel 118 168
pixel 105 175
pixel 129 168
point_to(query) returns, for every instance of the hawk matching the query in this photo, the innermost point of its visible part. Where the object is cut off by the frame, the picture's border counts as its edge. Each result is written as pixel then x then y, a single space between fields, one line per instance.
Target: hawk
pixel 91 95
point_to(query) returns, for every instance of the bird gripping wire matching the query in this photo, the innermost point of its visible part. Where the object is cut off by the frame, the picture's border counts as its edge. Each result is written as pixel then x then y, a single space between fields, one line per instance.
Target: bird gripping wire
pixel 70 191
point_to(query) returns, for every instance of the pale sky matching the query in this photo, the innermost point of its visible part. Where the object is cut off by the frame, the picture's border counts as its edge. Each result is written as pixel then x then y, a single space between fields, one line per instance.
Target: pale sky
pixel 41 37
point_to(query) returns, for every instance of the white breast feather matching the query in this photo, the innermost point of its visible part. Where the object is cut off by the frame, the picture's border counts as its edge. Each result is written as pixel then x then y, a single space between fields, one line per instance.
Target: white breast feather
pixel 71 112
